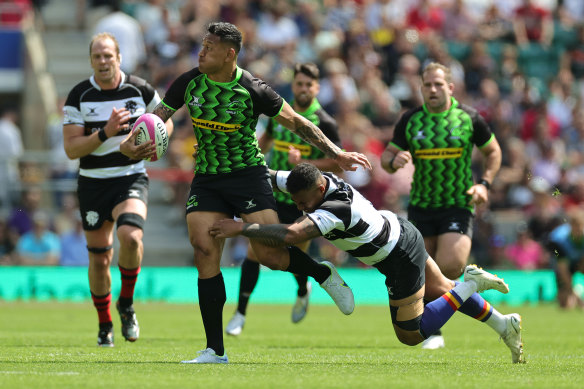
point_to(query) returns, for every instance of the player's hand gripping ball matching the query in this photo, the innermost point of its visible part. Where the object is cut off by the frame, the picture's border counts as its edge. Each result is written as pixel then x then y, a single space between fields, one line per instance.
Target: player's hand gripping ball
pixel 151 127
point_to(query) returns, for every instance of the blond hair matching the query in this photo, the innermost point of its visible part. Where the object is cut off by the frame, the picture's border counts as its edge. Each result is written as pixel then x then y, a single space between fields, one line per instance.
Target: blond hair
pixel 103 36
pixel 433 66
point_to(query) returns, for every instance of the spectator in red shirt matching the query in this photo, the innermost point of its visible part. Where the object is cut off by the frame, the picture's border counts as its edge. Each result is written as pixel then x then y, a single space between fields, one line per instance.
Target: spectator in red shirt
pixel 533 24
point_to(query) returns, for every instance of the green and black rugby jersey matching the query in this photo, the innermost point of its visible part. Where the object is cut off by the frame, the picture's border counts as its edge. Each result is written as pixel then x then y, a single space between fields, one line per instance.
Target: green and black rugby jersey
pixel 441 145
pixel 283 138
pixel 224 116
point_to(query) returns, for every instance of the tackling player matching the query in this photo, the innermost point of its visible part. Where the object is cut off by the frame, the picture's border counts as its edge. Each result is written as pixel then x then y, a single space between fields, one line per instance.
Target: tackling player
pixel 335 210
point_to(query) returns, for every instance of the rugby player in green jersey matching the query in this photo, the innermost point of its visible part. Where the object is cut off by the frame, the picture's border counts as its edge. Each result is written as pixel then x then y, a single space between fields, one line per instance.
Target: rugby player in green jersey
pixel 286 151
pixel 231 177
pixel 438 137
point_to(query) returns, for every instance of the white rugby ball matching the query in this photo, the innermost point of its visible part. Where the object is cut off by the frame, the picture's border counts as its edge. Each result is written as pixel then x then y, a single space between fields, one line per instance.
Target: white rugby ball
pixel 151 127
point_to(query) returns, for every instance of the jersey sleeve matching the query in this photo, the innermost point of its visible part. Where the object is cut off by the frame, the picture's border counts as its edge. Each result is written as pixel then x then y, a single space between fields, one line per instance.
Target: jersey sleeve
pixel 175 95
pixel 481 131
pixel 399 133
pixel 266 100
pixel 329 128
pixel 325 221
pixel 71 111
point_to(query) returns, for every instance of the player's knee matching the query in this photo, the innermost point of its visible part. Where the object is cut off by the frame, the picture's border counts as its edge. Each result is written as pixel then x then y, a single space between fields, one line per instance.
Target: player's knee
pixel 273 259
pixel 130 237
pixel 409 338
pixel 100 257
pixel 408 330
pixel 453 270
pixel 131 219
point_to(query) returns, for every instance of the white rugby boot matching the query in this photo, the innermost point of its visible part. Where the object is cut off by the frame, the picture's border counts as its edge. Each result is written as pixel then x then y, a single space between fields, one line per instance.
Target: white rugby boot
pixel 208 356
pixel 512 337
pixel 339 291
pixel 484 280
pixel 301 306
pixel 434 342
pixel 235 325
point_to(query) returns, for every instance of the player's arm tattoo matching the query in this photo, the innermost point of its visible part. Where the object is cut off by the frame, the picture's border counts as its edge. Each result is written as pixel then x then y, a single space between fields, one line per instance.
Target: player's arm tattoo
pixel 163 112
pixel 308 131
pixel 281 234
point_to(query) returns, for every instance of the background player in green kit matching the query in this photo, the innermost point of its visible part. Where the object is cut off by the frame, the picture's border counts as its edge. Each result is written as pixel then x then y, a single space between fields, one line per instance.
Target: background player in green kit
pixel 231 177
pixel 286 151
pixel 439 137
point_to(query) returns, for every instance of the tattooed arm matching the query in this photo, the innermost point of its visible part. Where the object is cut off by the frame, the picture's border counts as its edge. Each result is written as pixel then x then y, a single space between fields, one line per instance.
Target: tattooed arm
pixel 308 131
pixel 273 235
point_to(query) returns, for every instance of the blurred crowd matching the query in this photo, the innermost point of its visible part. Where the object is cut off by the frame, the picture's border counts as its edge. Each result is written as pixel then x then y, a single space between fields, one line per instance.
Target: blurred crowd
pixel 520 63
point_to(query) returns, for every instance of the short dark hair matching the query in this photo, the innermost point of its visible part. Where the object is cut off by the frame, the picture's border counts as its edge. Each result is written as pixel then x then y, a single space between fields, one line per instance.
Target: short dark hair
pixel 307 68
pixel 226 32
pixel 303 176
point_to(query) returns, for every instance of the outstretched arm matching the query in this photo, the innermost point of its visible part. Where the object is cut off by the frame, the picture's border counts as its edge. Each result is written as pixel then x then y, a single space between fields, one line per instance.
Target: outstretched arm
pixel 308 131
pixel 273 235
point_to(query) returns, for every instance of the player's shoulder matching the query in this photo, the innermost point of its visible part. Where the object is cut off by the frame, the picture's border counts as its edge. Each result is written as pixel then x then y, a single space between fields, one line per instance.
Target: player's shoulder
pixel 81 87
pixel 411 112
pixel 471 111
pixel 137 81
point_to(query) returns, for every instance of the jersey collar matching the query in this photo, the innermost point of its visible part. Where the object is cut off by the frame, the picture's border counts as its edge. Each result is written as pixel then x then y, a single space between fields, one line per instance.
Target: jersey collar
pixel 96 86
pixel 453 104
pixel 312 108
pixel 238 73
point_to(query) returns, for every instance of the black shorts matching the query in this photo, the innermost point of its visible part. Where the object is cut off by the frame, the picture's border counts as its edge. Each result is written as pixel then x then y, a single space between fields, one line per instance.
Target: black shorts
pixel 99 196
pixel 404 268
pixel 438 221
pixel 244 191
pixel 288 213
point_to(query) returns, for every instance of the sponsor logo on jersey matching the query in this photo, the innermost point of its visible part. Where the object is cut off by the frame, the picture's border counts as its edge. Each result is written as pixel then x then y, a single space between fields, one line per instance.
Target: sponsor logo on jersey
pixel 235 107
pixel 91 217
pixel 92 111
pixel 305 150
pixel 445 153
pixel 192 202
pixel 215 126
pixel 195 102
pixel 456 132
pixel 250 204
pixel 420 135
pixel 131 106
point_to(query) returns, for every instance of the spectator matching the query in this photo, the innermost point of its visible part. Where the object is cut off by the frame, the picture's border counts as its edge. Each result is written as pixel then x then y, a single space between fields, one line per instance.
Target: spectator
pixel 525 253
pixel 74 246
pixel 128 32
pixel 6 244
pixel 10 150
pixel 20 220
pixel 533 24
pixel 40 246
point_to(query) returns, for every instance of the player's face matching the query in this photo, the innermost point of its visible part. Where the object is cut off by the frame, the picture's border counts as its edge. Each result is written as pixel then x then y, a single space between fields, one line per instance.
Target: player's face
pixel 304 89
pixel 213 55
pixel 105 62
pixel 308 200
pixel 436 90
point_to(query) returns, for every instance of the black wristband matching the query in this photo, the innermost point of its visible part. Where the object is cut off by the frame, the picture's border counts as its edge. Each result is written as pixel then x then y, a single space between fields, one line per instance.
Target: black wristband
pixel 391 163
pixel 484 182
pixel 102 135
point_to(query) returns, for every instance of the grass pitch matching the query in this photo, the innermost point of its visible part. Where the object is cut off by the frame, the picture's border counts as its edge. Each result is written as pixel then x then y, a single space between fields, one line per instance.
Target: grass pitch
pixel 52 345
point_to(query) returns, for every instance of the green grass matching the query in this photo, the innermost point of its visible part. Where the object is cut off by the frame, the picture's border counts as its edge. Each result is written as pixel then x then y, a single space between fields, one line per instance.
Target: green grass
pixel 52 345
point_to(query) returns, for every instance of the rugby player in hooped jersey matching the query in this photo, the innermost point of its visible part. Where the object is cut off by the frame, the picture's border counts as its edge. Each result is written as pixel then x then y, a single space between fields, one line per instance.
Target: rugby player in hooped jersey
pixel 231 177
pixel 113 186
pixel 335 210
pixel 439 137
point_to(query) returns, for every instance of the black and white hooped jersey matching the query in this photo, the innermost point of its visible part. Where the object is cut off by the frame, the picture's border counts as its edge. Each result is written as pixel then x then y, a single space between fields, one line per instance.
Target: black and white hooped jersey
pixel 90 107
pixel 351 223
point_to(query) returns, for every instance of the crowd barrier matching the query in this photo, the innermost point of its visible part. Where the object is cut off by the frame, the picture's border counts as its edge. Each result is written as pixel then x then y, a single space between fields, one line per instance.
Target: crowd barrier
pixel 179 285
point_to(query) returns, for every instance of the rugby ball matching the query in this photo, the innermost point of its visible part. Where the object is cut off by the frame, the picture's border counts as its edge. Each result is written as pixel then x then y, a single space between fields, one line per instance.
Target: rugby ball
pixel 151 127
